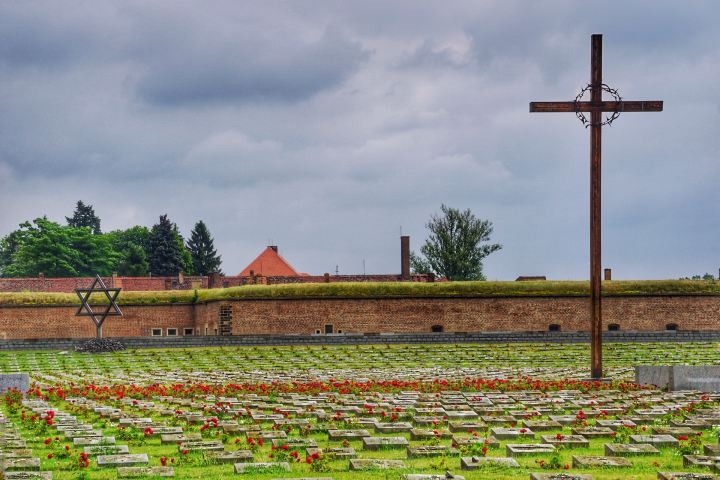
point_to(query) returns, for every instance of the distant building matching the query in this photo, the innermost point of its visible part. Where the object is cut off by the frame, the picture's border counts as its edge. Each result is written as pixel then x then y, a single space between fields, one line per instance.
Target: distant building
pixel 270 264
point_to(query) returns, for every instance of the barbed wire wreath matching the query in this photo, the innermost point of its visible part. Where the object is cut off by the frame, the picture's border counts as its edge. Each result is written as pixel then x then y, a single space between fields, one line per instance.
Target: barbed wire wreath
pixel 609 119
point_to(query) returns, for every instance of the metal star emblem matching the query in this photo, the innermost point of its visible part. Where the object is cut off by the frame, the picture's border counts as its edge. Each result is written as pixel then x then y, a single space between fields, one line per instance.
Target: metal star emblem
pixel 99 316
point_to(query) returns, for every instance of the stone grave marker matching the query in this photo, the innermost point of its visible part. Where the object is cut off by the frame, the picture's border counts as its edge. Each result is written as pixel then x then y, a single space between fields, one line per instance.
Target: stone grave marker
pixel 474 463
pixel 596 462
pixel 626 449
pixel 122 460
pixel 375 463
pixel 139 472
pixel 519 449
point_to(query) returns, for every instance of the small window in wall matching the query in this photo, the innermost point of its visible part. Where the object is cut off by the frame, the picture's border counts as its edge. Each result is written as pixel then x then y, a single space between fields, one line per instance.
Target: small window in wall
pixel 156 332
pixel 216 331
pixel 671 326
pixel 188 331
pixel 206 330
pixel 328 328
pixel 339 331
pixel 554 327
pixel 613 327
pixel 437 328
pixel 172 332
pixel 317 331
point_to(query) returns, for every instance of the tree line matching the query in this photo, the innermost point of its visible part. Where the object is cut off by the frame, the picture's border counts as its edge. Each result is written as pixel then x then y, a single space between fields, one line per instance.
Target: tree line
pixel 80 249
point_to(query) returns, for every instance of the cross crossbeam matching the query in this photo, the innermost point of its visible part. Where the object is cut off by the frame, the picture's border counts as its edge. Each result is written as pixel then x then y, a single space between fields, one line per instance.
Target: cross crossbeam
pixel 596 106
pixel 623 106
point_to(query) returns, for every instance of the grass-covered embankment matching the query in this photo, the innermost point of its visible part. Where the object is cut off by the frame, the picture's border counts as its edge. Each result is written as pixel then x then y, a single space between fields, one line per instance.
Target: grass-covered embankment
pixel 381 289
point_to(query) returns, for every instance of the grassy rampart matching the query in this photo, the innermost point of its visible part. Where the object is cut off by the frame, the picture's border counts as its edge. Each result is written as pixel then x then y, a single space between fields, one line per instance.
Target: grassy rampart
pixel 383 289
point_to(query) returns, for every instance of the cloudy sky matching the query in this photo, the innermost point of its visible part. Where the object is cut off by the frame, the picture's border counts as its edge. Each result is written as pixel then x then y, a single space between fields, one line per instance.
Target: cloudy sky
pixel 326 127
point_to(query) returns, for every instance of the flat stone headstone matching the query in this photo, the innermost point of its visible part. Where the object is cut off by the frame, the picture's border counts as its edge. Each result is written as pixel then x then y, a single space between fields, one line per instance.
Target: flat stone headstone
pixel 20 464
pixel 657 440
pixel 518 449
pixel 577 441
pixel 87 441
pixel 261 467
pixel 375 463
pixel 122 460
pixel 467 426
pixel 473 463
pixel 106 450
pixel 627 449
pixel 595 462
pixel 377 443
pixel 139 472
pixel 511 433
pixel 429 476
pixel 424 434
pixel 560 476
pixel 490 442
pixel 28 475
pixel 393 427
pixel 180 438
pixel 347 434
pixel 429 451
pixel 700 460
pixel 542 425
pixel 594 432
pixel 20 381
pixel 686 476
pixel 201 446
pixel 344 452
pixel 234 456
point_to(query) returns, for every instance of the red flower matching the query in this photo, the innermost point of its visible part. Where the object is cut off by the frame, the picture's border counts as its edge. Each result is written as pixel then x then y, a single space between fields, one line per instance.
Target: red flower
pixel 50 455
pixel 163 461
pixel 260 442
pixel 185 451
pixel 682 437
pixel 48 441
pixel 308 460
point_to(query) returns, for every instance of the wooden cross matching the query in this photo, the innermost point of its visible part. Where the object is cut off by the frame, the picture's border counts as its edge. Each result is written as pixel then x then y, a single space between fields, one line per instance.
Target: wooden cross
pixel 596 106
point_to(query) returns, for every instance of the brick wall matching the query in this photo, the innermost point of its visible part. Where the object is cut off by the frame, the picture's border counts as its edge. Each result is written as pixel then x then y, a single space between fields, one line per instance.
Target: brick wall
pixel 380 315
pixel 61 322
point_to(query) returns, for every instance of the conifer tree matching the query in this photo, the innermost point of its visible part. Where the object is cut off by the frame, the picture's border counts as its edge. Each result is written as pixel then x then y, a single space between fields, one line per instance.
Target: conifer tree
pixel 204 256
pixel 84 216
pixel 134 263
pixel 166 256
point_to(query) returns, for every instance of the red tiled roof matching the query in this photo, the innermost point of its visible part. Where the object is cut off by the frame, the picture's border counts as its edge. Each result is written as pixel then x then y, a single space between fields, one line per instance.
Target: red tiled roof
pixel 270 264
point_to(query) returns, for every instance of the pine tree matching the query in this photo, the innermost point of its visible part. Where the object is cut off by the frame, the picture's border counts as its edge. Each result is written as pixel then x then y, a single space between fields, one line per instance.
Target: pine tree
pixel 134 263
pixel 165 254
pixel 84 216
pixel 204 256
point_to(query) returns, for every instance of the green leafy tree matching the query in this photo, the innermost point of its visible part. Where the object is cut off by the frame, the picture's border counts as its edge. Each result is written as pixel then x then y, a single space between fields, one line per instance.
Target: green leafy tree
pixel 187 263
pixel 60 251
pixel 9 245
pixel 166 252
pixel 205 259
pixel 133 263
pixel 455 248
pixel 84 216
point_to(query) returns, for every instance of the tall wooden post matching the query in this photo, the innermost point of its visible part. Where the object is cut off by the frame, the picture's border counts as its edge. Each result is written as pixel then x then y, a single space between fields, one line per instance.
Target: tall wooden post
pixel 595 204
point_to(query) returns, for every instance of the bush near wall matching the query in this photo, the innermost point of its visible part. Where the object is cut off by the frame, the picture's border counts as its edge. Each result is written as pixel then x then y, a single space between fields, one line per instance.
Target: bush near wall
pixel 380 290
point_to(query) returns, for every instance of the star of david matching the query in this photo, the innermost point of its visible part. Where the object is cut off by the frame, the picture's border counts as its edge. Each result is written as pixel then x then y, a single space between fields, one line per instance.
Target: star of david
pixel 109 310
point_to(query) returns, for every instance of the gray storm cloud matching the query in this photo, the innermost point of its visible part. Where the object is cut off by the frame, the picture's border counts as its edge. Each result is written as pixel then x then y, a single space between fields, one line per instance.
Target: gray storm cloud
pixel 327 126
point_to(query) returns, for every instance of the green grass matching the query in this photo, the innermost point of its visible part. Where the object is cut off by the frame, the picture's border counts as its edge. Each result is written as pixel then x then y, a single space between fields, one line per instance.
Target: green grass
pixel 137 366
pixel 384 289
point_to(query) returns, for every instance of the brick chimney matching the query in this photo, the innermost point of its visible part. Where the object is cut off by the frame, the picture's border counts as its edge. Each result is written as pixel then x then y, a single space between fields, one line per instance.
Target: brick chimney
pixel 405 257
pixel 273 247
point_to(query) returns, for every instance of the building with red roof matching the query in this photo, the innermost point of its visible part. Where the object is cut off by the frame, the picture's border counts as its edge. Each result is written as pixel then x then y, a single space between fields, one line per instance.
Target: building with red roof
pixel 270 264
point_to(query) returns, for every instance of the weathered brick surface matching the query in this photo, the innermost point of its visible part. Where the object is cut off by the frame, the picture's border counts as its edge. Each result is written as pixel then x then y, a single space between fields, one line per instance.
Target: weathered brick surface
pixel 61 322
pixel 641 313
pixel 386 315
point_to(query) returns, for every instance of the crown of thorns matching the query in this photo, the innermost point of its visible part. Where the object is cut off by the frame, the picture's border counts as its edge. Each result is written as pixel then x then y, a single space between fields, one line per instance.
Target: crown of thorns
pixel 608 119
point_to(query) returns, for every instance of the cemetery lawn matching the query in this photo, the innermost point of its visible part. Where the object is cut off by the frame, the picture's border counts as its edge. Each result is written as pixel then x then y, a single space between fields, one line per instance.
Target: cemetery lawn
pixel 444 397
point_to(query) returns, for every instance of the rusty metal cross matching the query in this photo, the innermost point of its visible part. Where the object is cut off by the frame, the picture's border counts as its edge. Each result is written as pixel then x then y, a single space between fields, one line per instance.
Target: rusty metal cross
pixel 596 106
